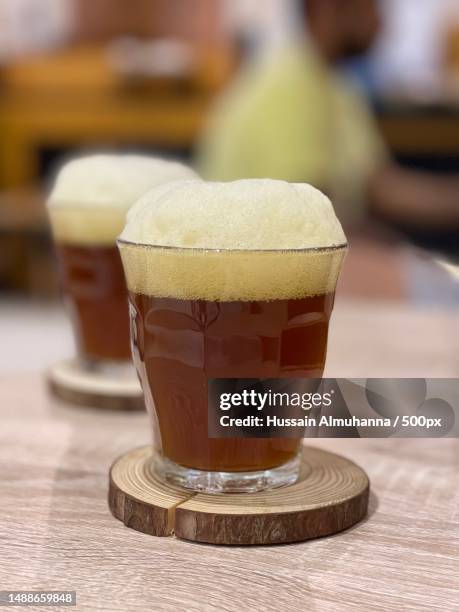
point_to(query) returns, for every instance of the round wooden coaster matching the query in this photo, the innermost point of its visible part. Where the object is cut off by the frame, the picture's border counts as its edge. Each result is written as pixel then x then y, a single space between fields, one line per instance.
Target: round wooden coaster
pixel 71 382
pixel 330 495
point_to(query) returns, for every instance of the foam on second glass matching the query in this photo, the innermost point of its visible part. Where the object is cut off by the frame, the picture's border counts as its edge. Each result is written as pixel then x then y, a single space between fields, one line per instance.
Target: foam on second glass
pixel 92 194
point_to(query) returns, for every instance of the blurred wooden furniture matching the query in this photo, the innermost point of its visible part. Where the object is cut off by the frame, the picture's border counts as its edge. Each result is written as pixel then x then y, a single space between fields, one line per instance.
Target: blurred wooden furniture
pixel 199 20
pixel 416 130
pixel 22 210
pixel 77 98
pixel 56 531
pixel 26 261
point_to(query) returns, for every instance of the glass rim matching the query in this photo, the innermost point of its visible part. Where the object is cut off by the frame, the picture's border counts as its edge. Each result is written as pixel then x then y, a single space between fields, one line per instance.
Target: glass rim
pixel 158 247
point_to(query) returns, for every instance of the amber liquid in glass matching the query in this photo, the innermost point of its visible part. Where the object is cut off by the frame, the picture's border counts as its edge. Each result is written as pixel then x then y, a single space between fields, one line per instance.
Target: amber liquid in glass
pixel 92 280
pixel 180 344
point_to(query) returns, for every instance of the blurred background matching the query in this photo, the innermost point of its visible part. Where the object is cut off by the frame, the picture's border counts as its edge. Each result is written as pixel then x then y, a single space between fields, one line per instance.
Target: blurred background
pixel 359 97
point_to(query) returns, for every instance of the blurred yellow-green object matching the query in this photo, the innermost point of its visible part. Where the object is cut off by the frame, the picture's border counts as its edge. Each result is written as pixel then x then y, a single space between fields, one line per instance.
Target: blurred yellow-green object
pixel 292 117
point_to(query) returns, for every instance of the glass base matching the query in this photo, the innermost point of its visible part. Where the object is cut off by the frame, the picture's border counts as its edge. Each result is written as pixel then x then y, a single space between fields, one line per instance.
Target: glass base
pixel 226 482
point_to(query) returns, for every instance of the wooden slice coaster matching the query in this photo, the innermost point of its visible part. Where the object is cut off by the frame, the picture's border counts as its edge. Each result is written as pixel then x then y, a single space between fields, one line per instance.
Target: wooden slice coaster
pixel 330 496
pixel 70 381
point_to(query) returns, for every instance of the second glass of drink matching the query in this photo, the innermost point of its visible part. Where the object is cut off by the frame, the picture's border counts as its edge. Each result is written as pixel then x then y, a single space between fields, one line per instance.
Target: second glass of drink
pixel 87 209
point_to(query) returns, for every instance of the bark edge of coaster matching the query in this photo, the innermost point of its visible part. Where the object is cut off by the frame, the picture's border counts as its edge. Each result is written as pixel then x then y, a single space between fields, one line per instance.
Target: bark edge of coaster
pixel 330 496
pixel 69 381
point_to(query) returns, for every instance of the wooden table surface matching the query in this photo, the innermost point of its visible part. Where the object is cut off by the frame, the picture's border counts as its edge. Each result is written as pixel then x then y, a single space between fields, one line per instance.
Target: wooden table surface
pixel 78 98
pixel 56 531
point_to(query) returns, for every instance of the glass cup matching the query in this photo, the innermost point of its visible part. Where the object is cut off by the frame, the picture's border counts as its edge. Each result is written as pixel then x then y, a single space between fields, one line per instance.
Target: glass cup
pixel 198 314
pixel 93 285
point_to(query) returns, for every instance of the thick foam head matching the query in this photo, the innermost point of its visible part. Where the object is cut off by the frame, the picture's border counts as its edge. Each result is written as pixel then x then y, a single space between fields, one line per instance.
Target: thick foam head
pixel 246 240
pixel 246 214
pixel 92 194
